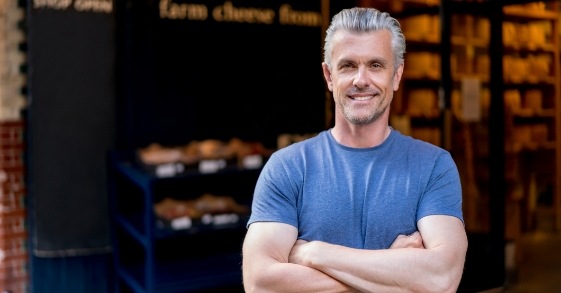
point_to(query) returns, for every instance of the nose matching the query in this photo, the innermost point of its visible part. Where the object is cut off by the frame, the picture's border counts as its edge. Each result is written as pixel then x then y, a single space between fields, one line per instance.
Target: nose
pixel 360 79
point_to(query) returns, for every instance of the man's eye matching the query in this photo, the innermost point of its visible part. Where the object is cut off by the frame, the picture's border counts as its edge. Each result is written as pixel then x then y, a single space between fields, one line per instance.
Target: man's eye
pixel 377 65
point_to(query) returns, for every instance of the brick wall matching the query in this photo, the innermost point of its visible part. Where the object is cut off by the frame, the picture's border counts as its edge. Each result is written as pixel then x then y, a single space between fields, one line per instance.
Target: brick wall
pixel 13 236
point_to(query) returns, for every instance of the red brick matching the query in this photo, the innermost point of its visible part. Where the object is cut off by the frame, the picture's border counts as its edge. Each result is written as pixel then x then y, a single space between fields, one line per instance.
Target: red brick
pixel 13 236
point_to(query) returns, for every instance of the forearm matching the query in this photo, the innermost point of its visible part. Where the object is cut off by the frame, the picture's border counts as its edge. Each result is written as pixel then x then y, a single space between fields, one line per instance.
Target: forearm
pixel 266 267
pixel 287 277
pixel 391 270
pixel 431 260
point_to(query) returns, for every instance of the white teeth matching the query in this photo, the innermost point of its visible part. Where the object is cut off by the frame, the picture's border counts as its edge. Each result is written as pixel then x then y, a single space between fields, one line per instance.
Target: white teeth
pixel 361 98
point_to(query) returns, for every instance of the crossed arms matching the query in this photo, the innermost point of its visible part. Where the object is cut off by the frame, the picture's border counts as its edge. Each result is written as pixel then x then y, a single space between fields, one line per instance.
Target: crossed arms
pixel 431 260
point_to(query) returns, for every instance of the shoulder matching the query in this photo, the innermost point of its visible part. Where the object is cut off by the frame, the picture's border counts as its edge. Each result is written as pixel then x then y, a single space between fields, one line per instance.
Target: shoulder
pixel 294 156
pixel 428 155
pixel 420 147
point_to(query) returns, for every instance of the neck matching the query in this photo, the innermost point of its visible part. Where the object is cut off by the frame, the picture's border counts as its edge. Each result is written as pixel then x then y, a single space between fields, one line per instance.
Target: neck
pixel 361 136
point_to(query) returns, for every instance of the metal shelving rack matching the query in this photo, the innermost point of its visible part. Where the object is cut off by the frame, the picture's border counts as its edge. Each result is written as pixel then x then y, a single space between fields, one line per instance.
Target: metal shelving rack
pixel 151 258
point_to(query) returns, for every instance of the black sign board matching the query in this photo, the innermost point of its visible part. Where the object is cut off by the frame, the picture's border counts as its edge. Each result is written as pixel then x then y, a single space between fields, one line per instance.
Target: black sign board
pixel 193 70
pixel 71 125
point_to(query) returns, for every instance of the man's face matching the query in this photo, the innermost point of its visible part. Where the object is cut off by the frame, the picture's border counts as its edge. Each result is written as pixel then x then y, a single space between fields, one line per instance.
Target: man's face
pixel 362 76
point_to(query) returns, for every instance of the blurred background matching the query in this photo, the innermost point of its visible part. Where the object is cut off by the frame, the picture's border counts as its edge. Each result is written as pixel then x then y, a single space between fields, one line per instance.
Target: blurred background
pixel 132 132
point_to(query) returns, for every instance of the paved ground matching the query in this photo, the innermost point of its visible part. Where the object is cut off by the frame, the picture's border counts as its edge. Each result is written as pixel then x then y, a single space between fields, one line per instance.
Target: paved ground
pixel 539 259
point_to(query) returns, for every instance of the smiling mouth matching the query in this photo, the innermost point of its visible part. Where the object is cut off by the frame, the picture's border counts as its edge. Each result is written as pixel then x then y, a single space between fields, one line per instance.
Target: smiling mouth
pixel 362 98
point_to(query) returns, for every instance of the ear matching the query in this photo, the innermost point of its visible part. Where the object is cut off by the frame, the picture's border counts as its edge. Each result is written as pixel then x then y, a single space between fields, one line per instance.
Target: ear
pixel 397 77
pixel 327 76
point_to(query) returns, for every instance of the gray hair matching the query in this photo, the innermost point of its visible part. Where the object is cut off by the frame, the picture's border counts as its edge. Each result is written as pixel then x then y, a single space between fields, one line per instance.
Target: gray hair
pixel 361 19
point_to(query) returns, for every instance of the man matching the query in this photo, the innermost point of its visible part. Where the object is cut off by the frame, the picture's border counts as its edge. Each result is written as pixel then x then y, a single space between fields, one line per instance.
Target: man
pixel 359 207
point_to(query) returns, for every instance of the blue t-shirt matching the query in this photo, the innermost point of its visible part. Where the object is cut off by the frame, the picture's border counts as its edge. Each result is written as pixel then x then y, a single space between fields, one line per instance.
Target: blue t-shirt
pixel 357 197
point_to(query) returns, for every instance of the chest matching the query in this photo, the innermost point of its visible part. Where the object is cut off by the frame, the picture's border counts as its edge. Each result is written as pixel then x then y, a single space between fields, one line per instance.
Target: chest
pixel 359 207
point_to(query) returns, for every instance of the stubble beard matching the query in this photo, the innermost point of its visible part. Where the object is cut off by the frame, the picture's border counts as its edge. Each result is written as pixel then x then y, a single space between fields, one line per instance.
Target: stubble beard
pixel 353 115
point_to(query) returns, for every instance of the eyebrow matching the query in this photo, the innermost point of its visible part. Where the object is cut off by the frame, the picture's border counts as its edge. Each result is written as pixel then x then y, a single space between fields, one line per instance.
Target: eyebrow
pixel 380 60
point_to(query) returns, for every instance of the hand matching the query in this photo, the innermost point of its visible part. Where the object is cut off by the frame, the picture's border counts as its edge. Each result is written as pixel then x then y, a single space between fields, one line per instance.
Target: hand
pixel 408 241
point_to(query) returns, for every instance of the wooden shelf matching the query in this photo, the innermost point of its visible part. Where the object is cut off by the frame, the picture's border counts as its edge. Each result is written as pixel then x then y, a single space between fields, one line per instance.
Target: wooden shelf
pixel 470 41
